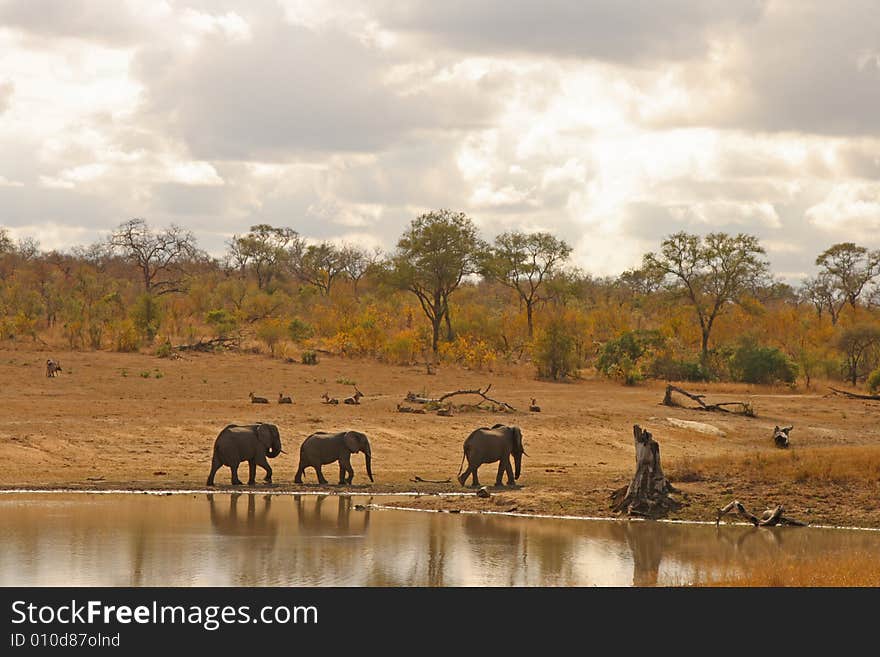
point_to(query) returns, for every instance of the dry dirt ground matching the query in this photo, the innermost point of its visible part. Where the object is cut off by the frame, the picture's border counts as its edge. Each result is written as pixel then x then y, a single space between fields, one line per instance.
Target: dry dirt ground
pixel 136 421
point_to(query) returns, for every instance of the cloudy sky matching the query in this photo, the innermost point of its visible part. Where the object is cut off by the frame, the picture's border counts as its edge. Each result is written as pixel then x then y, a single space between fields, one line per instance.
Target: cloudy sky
pixel 610 123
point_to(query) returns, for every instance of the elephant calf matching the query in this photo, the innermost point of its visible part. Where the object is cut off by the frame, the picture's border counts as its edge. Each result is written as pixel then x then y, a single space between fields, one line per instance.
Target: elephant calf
pixel 322 448
pixel 487 445
pixel 253 443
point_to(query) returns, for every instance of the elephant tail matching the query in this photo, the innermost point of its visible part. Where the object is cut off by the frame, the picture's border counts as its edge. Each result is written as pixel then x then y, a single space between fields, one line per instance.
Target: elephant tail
pixel 463 455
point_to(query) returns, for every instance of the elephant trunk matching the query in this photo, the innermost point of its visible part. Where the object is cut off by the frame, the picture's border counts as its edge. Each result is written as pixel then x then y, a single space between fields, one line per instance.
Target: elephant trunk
pixel 273 451
pixel 368 459
pixel 517 460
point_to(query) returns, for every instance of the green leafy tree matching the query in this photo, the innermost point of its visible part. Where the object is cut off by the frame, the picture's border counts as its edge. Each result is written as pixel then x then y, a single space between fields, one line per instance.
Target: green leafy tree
pixel 265 250
pixel 555 350
pixel 433 255
pixel 320 265
pixel 710 272
pixel 525 262
pixel 147 316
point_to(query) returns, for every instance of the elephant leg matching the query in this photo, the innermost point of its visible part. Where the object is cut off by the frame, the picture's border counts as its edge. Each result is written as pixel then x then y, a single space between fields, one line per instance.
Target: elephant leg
pixel 476 480
pixel 350 474
pixel 509 470
pixel 252 472
pixel 215 465
pixel 320 474
pixel 298 479
pixel 342 472
pixel 264 463
pixel 235 480
pixel 500 472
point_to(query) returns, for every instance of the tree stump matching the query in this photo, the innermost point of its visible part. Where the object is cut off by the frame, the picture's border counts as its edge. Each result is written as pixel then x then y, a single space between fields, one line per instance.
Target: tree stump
pixel 648 493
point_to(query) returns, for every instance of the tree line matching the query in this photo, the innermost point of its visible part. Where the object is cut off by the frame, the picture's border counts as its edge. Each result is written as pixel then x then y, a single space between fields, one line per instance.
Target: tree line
pixel 699 307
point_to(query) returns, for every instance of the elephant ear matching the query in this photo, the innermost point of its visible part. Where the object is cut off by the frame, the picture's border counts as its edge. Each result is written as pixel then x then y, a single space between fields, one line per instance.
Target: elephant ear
pixel 517 439
pixel 352 440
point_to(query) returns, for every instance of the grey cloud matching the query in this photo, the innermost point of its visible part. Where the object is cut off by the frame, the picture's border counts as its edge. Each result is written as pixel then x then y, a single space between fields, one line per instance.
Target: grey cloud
pixel 106 21
pixel 292 91
pixel 629 32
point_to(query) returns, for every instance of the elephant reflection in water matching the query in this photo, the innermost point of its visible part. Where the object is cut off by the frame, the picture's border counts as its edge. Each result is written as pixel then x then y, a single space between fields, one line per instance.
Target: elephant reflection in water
pixel 251 523
pixel 312 519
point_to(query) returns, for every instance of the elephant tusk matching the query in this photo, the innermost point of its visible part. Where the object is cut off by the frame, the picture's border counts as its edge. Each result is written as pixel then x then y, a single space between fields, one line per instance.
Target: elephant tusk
pixel 525 453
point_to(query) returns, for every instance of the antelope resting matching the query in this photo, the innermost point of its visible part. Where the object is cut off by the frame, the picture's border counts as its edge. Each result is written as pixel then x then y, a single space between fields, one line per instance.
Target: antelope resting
pixel 534 408
pixel 328 399
pixel 284 400
pixel 258 400
pixel 780 436
pixel 355 398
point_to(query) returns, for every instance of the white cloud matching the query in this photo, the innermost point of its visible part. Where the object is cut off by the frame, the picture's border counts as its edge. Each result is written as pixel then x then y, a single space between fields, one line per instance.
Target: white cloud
pixel 849 209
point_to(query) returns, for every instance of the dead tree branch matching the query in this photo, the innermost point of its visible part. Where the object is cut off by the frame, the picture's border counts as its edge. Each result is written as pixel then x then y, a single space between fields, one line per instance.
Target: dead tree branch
pixel 648 493
pixel 770 517
pixel 745 407
pixel 418 399
pixel 853 395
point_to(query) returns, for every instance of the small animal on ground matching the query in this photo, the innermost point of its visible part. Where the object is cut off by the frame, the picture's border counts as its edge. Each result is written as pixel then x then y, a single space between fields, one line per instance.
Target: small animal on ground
pixel 284 400
pixel 444 412
pixel 780 436
pixel 328 399
pixel 533 407
pixel 253 443
pixel 355 398
pixel 52 367
pixel 491 444
pixel 258 400
pixel 322 448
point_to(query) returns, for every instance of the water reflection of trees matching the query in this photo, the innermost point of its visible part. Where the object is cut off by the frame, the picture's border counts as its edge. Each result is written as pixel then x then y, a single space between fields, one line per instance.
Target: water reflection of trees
pixel 255 539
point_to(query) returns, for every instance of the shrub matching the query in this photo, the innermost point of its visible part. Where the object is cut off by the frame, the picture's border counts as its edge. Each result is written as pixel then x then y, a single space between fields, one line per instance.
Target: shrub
pixel 620 358
pixel 309 357
pixel 874 381
pixel 555 353
pixel 147 316
pixel 165 350
pixel 299 330
pixel 753 363
pixel 271 331
pixel 222 320
pixel 125 336
pixel 403 348
pixel 672 369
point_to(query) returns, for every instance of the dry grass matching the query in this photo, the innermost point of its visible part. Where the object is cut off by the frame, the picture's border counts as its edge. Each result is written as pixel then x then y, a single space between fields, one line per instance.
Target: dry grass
pixel 790 570
pixel 825 465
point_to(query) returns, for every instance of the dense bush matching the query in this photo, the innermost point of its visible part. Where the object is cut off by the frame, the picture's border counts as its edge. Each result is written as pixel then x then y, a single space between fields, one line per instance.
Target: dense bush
pixel 621 357
pixel 874 381
pixel 555 351
pixel 672 369
pixel 754 363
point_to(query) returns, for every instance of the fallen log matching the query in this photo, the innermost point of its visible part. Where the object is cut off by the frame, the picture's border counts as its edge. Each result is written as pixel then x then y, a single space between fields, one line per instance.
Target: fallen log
pixel 648 493
pixel 853 395
pixel 769 518
pixel 207 345
pixel 745 407
pixel 418 399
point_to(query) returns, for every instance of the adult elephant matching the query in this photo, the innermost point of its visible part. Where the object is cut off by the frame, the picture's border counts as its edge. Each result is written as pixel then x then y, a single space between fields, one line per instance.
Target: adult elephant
pixel 487 445
pixel 254 443
pixel 322 448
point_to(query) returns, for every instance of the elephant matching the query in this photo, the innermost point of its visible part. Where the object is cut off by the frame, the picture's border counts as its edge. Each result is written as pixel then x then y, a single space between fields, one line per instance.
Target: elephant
pixel 253 443
pixel 487 445
pixel 322 448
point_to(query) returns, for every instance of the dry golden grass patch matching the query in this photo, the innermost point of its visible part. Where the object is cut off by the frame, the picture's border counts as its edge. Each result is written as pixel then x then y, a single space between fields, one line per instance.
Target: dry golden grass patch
pixel 791 570
pixel 837 465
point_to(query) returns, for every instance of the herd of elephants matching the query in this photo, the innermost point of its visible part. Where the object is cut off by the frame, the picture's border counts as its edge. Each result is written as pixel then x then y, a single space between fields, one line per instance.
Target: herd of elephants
pixel 257 443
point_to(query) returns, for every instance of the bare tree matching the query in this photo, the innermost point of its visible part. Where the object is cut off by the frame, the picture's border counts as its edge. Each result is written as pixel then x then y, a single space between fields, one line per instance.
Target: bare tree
pixel 160 256
pixel 358 262
pixel 824 295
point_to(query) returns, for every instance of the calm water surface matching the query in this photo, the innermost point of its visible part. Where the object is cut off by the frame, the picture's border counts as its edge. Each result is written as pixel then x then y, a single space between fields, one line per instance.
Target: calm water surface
pixel 317 540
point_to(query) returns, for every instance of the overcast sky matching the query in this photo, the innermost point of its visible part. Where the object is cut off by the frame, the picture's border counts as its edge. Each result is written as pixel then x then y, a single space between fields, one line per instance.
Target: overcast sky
pixel 609 123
